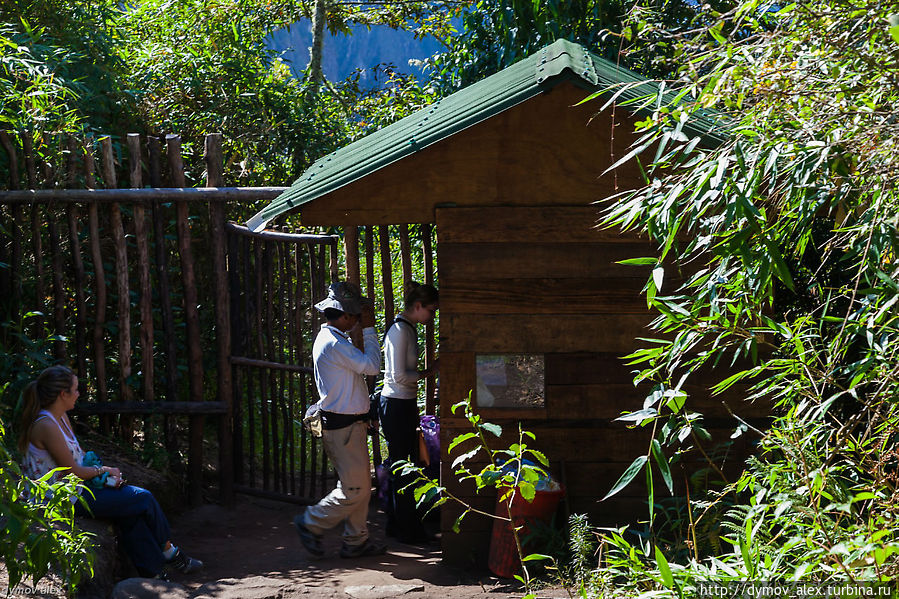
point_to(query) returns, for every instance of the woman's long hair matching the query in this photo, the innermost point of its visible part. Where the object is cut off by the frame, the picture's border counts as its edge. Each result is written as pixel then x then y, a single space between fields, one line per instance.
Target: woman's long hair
pixel 418 292
pixel 40 394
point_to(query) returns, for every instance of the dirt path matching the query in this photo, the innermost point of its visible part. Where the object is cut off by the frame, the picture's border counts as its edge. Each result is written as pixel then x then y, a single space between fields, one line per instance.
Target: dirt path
pixel 257 539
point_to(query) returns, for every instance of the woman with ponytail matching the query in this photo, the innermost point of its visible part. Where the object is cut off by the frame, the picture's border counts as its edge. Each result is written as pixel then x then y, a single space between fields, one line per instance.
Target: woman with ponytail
pixel 398 410
pixel 47 441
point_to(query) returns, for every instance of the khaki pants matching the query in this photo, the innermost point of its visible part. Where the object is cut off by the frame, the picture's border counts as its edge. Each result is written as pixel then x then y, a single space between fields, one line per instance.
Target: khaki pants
pixel 347 448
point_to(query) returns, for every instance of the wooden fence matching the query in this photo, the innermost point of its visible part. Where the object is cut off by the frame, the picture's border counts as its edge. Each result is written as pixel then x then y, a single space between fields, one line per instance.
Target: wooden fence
pixel 169 313
pixel 139 328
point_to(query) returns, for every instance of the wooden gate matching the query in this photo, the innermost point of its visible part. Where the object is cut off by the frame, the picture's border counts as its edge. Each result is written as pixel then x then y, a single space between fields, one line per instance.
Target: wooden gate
pixel 275 279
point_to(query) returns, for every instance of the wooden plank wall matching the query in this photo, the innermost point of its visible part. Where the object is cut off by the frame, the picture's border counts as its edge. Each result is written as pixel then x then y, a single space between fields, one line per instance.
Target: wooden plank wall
pixel 543 280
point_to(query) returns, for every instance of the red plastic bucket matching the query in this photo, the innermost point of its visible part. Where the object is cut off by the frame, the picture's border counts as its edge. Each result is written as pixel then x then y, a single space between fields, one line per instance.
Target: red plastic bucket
pixel 503 560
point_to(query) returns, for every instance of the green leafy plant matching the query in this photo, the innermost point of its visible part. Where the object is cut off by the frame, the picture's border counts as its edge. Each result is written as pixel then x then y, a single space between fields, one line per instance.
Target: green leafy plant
pixel 38 518
pixel 784 232
pixel 511 472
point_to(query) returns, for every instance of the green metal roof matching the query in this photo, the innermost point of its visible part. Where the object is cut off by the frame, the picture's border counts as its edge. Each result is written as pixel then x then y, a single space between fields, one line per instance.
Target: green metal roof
pixel 558 62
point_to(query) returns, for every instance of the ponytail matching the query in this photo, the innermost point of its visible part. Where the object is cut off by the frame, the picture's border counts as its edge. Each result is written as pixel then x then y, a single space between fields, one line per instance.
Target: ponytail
pixel 39 394
pixel 417 292
pixel 30 409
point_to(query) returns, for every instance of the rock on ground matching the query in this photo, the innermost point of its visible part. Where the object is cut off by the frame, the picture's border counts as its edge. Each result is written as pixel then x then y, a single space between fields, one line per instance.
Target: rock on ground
pixel 253 587
pixel 382 592
pixel 149 588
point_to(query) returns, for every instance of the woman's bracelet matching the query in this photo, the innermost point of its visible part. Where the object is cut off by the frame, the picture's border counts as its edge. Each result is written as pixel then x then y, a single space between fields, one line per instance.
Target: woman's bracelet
pixel 99 472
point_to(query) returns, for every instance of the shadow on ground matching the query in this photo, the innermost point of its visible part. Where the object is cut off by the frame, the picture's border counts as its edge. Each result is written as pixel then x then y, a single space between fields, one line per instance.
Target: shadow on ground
pixel 257 539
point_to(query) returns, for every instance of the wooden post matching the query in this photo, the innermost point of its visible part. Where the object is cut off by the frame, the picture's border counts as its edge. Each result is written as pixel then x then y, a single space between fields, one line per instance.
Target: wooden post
pixel 252 299
pixel 430 387
pixel 288 310
pixel 315 294
pixel 99 285
pixel 406 256
pixel 324 464
pixel 370 292
pixel 284 351
pixel 214 178
pixel 334 254
pixel 10 285
pixel 237 300
pixel 170 351
pixel 386 273
pixel 72 213
pixel 369 261
pixel 271 399
pixel 351 249
pixel 299 317
pixel 262 260
pixel 28 151
pixel 59 294
pixel 11 153
pixel 192 320
pixel 141 236
pixel 36 242
pixel 122 286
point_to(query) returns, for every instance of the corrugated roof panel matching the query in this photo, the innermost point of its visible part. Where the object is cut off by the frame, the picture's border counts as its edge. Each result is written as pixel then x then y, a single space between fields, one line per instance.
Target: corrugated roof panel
pixel 560 61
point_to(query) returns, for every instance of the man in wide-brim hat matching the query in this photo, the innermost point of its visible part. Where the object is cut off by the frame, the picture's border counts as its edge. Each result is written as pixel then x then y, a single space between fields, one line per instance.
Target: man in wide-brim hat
pixel 340 369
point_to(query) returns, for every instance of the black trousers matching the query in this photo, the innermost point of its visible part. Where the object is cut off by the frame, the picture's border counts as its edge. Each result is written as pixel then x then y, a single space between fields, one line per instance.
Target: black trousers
pixel 400 422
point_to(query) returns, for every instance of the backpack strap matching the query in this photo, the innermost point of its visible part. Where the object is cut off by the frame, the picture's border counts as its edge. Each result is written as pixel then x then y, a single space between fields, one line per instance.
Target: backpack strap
pixel 397 320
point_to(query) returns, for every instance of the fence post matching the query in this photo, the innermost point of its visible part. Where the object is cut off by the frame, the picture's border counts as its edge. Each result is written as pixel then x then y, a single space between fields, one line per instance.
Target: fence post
pixel 214 176
pixel 192 320
pixel 141 235
pixel 8 277
pixel 121 252
pixel 93 219
pixel 430 387
pixel 73 215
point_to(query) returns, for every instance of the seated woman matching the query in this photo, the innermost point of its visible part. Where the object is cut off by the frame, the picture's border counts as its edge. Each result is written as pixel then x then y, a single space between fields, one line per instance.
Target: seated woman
pixel 47 442
pixel 398 411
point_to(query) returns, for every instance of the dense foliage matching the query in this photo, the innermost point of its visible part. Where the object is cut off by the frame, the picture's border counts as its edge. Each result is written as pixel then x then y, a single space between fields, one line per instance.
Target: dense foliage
pixel 192 67
pixel 789 231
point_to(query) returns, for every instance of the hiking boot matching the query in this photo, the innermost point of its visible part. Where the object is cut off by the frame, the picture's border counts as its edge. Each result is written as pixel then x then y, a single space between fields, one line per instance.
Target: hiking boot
pixel 366 549
pixel 184 563
pixel 311 541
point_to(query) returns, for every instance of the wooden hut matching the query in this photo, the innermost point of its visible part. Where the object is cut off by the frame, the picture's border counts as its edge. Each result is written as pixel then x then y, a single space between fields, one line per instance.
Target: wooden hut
pixel 535 310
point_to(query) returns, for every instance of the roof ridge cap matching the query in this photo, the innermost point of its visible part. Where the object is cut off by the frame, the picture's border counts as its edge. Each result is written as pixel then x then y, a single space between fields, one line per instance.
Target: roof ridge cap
pixel 562 55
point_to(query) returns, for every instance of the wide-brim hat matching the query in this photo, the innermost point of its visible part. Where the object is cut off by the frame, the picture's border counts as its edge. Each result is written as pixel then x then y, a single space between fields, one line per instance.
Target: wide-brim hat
pixel 344 296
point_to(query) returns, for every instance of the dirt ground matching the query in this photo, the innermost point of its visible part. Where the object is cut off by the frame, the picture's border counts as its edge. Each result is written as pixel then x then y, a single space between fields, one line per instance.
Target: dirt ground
pixel 257 539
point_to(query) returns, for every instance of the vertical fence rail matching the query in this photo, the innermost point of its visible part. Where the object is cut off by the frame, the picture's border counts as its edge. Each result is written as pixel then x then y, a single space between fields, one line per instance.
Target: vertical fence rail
pixel 430 342
pixel 73 217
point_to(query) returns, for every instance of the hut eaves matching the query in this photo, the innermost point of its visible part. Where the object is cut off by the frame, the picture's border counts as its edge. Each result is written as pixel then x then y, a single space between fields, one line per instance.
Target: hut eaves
pixel 561 61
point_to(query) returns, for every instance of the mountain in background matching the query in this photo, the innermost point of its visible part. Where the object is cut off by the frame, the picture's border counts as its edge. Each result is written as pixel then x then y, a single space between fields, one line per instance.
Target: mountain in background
pixel 364 49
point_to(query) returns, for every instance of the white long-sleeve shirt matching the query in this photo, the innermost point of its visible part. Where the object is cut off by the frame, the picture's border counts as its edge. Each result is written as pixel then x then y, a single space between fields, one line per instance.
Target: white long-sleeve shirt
pixel 401 361
pixel 340 369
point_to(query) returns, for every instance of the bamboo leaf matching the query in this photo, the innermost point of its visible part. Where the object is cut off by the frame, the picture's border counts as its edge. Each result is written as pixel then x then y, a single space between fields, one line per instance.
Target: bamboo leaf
pixel 662 463
pixel 627 477
pixel 664 569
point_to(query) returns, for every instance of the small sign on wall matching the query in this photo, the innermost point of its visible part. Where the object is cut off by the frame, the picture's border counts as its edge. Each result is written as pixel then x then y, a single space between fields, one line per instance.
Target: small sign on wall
pixel 510 380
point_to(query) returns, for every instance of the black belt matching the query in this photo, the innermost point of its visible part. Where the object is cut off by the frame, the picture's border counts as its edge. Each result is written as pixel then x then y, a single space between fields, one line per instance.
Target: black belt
pixel 332 420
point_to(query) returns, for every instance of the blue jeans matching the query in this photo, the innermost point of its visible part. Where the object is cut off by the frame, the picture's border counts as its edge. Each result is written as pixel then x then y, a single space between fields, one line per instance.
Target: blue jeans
pixel 143 528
